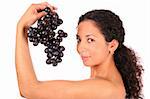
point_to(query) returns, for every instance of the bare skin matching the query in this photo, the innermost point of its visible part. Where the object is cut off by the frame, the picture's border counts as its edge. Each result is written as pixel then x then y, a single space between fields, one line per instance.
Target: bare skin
pixel 105 81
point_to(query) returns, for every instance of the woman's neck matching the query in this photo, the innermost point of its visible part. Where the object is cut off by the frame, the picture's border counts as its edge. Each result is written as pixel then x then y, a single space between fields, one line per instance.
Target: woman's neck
pixel 107 70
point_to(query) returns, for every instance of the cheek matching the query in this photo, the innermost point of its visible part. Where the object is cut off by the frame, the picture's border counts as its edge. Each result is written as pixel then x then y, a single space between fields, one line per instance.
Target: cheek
pixel 98 54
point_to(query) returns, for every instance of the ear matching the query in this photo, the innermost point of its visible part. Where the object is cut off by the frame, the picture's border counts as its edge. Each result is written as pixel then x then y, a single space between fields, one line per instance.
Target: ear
pixel 113 45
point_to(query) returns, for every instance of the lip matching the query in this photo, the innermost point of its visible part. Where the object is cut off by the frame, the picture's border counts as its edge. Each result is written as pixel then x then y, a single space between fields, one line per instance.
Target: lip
pixel 85 58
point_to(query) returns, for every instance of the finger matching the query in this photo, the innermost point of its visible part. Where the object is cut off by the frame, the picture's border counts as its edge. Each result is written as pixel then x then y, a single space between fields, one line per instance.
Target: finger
pixel 53 8
pixel 39 15
pixel 39 6
pixel 43 5
pixel 48 5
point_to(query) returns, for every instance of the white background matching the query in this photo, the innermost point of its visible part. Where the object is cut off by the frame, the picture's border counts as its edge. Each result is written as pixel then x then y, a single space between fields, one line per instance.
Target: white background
pixel 134 14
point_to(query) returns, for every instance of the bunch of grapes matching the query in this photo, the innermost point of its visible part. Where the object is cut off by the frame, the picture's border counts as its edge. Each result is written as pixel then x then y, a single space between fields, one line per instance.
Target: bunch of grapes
pixel 44 33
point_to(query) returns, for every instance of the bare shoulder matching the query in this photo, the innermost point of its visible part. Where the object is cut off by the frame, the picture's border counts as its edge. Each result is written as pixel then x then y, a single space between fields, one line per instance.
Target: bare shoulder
pixel 100 88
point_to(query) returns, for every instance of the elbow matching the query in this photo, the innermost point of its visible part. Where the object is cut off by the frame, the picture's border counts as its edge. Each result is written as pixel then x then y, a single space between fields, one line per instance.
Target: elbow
pixel 25 92
pixel 22 94
pixel 28 90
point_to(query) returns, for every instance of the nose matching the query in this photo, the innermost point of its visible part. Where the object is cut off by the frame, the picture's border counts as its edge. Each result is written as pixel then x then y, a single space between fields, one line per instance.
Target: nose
pixel 81 48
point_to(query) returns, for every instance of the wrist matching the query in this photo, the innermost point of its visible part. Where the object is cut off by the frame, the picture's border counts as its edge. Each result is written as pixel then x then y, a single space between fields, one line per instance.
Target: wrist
pixel 21 31
pixel 20 25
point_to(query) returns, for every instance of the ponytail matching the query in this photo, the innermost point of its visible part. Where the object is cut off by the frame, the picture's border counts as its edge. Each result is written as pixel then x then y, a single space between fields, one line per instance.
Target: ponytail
pixel 130 70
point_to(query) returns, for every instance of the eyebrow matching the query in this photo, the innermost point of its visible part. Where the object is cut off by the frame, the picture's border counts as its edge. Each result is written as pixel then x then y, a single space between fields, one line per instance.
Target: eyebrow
pixel 90 35
pixel 86 35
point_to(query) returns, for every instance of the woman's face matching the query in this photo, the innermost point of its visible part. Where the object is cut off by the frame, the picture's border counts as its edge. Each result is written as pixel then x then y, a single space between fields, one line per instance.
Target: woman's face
pixel 91 44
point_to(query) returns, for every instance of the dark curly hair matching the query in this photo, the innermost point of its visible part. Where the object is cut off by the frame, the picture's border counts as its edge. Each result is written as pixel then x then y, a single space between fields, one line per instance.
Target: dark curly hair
pixel 125 59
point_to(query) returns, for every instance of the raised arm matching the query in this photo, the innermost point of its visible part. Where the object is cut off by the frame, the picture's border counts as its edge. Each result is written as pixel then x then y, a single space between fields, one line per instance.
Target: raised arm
pixel 25 73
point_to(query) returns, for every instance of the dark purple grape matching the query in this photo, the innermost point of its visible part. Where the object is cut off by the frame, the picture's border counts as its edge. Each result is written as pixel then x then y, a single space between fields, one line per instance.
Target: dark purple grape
pixel 59 21
pixel 49 55
pixel 56 53
pixel 35 40
pixel 34 30
pixel 47 43
pixel 44 33
pixel 30 34
pixel 46 50
pixel 48 29
pixel 61 54
pixel 55 16
pixel 65 35
pixel 54 64
pixel 43 23
pixel 31 39
pixel 47 9
pixel 48 61
pixel 61 48
pixel 57 42
pixel 48 16
pixel 50 50
pixel 30 29
pixel 40 28
pixel 58 60
pixel 53 61
pixel 54 22
pixel 60 32
pixel 39 23
pixel 52 34
pixel 54 47
pixel 44 42
pixel 59 38
pixel 35 43
pixel 45 39
pixel 54 27
pixel 54 41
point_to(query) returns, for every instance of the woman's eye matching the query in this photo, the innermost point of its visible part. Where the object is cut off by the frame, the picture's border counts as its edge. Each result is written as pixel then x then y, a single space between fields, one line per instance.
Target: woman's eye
pixel 90 40
pixel 78 40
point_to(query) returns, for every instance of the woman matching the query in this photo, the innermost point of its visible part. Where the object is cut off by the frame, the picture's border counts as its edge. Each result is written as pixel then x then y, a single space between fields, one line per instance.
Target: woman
pixel 115 73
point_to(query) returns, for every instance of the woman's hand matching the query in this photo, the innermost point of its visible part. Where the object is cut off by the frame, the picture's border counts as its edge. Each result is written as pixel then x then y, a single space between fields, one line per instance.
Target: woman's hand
pixel 32 14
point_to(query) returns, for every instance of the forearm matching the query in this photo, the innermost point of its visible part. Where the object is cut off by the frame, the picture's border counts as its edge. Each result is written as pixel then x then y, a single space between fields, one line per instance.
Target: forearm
pixel 24 68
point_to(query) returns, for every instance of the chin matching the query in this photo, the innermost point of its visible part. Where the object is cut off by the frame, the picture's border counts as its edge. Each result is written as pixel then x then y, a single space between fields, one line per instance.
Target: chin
pixel 88 64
